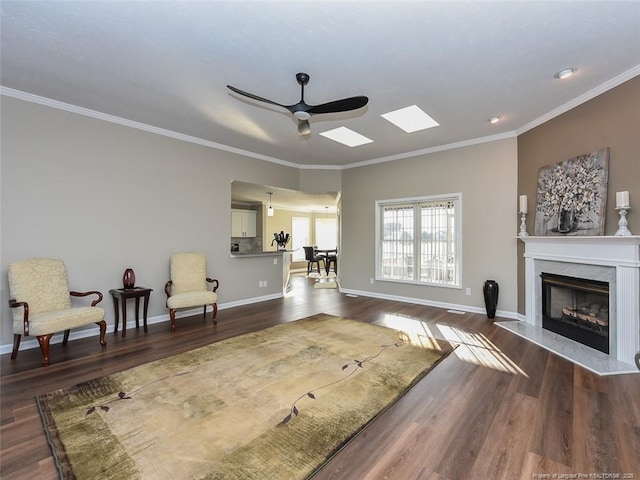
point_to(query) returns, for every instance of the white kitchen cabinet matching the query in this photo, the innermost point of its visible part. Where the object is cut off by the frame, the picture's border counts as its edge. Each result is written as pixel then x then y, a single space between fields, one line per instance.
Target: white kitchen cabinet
pixel 243 223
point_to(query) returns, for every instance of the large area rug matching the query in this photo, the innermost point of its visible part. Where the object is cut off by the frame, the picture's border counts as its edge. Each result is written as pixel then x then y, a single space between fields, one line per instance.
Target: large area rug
pixel 275 404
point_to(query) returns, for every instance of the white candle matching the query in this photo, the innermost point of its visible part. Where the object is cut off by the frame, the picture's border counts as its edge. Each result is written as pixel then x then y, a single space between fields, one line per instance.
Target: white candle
pixel 523 204
pixel 622 199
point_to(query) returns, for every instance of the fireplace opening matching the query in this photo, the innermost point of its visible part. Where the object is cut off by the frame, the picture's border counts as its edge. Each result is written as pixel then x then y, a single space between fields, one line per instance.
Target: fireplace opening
pixel 576 308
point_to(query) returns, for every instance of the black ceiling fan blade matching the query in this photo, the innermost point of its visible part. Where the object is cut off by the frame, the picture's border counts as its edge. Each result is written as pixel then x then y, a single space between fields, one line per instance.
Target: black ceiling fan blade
pixel 255 97
pixel 344 105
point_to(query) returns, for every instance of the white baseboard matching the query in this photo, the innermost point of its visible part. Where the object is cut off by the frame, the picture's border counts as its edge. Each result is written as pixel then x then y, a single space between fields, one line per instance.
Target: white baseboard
pixel 430 303
pixel 30 342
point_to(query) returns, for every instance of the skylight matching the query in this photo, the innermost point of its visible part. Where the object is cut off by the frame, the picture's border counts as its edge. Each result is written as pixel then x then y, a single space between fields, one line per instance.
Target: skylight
pixel 410 119
pixel 346 137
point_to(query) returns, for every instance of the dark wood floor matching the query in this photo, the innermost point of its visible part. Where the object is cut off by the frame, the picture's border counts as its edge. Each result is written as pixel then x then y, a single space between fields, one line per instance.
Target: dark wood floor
pixel 499 407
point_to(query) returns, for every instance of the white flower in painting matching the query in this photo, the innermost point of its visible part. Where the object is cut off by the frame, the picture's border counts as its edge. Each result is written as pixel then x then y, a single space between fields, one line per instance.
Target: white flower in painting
pixel 572 185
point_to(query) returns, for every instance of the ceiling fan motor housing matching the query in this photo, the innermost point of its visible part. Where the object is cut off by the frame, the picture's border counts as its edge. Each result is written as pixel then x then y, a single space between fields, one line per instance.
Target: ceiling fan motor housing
pixel 303 78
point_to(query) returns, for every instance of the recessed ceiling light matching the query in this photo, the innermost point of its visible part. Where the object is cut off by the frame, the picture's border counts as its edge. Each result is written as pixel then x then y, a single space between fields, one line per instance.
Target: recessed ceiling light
pixel 346 137
pixel 495 119
pixel 565 73
pixel 410 119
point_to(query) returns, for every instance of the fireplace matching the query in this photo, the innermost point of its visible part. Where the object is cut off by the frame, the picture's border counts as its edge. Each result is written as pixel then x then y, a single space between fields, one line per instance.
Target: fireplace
pixel 576 308
pixel 613 260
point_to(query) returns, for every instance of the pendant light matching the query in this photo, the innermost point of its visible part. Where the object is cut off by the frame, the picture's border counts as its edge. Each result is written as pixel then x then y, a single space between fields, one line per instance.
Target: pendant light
pixel 270 209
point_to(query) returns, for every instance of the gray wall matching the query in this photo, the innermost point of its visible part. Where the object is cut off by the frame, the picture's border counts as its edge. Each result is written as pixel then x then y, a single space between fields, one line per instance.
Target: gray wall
pixel 320 180
pixel 485 174
pixel 104 197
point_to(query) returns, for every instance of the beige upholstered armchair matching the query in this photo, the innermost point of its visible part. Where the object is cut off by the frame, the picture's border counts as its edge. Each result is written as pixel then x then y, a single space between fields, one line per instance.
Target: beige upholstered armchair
pixel 188 286
pixel 41 303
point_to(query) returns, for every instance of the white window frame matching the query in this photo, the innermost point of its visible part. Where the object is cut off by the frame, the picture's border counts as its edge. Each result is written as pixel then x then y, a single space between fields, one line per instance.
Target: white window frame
pixel 415 244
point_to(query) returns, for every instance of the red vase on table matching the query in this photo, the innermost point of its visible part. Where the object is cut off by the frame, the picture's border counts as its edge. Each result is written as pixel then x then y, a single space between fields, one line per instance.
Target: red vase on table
pixel 129 279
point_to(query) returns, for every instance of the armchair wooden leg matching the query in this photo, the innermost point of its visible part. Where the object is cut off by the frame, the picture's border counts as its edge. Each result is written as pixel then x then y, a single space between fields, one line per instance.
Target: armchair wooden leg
pixel 103 330
pixel 43 340
pixel 16 345
pixel 172 315
pixel 204 312
pixel 215 312
pixel 65 339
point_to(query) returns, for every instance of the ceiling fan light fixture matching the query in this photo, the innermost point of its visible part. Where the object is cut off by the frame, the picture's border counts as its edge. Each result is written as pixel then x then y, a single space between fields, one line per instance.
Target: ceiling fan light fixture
pixel 304 128
pixel 565 73
pixel 302 115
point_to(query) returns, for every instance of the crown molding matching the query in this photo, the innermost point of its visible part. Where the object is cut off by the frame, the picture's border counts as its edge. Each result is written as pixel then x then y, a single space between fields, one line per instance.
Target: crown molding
pixel 29 97
pixel 439 148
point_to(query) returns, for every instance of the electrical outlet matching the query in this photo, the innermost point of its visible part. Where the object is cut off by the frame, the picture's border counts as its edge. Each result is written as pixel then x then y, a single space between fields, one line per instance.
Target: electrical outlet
pixel 371 280
pixel 275 262
pixel 467 291
pixel 262 284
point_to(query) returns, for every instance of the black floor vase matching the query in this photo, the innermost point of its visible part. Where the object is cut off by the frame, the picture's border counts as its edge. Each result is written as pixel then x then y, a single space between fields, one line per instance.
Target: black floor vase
pixel 490 290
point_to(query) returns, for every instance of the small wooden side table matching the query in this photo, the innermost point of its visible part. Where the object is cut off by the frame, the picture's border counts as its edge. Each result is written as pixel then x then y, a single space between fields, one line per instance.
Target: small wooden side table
pixel 125 293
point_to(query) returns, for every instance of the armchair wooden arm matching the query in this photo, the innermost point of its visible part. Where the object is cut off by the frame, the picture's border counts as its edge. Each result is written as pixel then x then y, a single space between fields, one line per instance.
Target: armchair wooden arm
pixel 85 294
pixel 215 282
pixel 25 305
pixel 167 288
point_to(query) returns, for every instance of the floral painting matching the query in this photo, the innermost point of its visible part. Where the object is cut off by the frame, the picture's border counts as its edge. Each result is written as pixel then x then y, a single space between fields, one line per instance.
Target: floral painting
pixel 572 196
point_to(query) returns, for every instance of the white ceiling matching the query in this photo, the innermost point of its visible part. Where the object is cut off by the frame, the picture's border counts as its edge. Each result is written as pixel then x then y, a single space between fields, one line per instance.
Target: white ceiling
pixel 166 65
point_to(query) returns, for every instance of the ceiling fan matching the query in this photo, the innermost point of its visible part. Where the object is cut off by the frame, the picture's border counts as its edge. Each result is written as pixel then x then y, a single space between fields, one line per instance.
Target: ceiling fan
pixel 302 111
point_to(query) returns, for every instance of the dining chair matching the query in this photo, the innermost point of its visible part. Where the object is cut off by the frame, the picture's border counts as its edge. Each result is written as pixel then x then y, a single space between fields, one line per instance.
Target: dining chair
pixel 312 257
pixel 331 258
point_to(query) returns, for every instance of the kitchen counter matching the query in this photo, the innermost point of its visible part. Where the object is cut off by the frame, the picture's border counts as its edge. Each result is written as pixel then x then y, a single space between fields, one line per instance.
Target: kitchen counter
pixel 286 263
pixel 259 254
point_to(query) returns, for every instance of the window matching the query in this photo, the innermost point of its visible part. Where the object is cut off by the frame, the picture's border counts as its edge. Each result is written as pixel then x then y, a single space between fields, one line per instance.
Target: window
pixel 326 233
pixel 418 240
pixel 299 237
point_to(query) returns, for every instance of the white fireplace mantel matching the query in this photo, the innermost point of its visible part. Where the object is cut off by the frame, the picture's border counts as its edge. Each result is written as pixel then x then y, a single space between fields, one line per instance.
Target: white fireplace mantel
pixel 619 255
pixel 597 250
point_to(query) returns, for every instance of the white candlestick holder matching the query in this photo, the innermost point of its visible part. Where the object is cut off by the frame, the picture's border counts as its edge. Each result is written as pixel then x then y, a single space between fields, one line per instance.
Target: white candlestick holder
pixel 523 225
pixel 623 229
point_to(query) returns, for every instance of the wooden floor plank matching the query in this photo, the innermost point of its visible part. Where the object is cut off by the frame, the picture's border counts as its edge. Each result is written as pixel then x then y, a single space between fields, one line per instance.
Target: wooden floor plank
pixel 467 435
pixel 553 427
pixel 594 442
pixel 624 399
pixel 505 446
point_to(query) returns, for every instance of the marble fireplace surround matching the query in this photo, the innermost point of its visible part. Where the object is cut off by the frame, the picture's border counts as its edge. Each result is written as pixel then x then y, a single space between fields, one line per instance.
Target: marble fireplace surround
pixel 612 259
